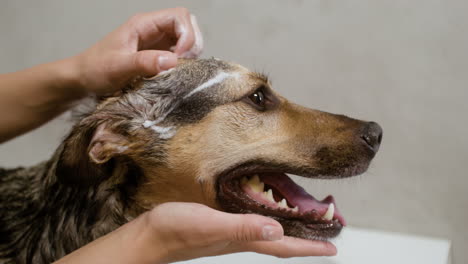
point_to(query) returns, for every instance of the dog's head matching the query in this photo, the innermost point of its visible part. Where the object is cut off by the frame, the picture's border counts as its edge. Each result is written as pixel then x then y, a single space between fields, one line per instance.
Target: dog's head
pixel 216 133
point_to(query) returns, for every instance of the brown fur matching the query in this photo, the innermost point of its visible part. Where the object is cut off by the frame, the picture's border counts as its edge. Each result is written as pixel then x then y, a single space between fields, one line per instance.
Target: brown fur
pixel 112 162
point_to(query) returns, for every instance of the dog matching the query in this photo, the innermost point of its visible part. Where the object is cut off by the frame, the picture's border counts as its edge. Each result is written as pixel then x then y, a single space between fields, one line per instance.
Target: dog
pixel 207 131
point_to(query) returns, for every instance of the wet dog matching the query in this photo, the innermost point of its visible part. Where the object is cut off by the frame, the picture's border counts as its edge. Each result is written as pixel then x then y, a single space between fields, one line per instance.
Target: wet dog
pixel 208 131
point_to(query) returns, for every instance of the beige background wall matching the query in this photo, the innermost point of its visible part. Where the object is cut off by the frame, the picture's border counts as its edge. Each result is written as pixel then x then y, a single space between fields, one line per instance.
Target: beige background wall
pixel 401 63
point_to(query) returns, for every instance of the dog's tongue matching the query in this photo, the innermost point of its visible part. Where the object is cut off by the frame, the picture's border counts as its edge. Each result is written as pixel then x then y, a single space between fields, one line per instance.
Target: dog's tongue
pixel 297 196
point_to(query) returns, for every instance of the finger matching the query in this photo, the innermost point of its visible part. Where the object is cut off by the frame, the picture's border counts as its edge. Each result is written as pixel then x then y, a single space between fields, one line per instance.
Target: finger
pixel 289 247
pixel 149 62
pixel 166 42
pixel 197 47
pixel 151 27
pixel 241 228
pixel 185 34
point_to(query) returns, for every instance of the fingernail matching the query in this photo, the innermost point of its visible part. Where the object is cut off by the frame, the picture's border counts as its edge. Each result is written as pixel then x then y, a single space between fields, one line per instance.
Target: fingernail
pixel 271 233
pixel 166 62
pixel 188 55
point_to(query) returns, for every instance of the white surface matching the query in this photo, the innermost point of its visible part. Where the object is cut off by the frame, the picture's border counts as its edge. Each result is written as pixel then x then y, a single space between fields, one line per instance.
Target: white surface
pixel 359 246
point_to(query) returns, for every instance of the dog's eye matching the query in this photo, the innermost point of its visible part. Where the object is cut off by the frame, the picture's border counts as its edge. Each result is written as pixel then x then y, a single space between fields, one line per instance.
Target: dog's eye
pixel 258 98
pixel 261 99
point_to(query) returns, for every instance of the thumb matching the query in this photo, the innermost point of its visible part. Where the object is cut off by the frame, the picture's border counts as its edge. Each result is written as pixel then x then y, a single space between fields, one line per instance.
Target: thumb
pixel 245 228
pixel 150 62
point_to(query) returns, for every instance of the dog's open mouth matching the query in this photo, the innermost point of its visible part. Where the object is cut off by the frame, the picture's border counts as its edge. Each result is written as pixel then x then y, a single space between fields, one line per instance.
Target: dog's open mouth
pixel 277 192
pixel 270 192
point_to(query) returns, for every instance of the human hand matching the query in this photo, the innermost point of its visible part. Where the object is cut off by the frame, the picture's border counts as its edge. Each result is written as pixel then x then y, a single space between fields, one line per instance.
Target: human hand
pixel 145 45
pixel 179 231
pixel 187 230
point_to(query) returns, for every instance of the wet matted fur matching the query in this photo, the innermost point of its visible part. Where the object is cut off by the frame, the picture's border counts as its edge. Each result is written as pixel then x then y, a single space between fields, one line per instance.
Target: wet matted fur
pixel 184 135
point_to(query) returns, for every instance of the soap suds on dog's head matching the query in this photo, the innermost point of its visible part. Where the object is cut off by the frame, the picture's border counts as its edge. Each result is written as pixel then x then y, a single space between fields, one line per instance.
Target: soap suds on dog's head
pixel 169 132
pixel 177 91
pixel 164 132
pixel 148 123
pixel 215 80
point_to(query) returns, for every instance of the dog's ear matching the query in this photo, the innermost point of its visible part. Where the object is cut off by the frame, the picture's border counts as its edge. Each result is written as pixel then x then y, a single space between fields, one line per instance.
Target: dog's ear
pixel 106 144
pixel 87 154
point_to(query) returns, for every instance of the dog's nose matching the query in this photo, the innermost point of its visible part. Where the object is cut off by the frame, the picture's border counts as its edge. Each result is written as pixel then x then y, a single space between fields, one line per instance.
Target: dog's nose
pixel 372 135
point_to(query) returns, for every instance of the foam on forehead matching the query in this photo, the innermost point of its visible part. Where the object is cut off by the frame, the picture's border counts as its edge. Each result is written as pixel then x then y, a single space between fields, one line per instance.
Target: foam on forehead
pixel 183 95
pixel 218 78
pixel 185 77
pixel 186 88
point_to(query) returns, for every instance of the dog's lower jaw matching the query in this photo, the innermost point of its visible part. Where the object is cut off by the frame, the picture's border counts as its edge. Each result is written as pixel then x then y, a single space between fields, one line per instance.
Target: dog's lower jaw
pixel 297 229
pixel 294 228
pixel 263 188
pixel 42 220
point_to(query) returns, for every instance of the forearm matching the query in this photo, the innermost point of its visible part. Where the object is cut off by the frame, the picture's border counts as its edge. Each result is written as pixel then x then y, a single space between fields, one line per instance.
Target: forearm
pixel 133 242
pixel 31 97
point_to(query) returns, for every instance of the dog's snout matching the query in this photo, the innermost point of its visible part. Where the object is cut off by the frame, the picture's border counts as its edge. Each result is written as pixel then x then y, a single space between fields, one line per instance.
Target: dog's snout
pixel 372 135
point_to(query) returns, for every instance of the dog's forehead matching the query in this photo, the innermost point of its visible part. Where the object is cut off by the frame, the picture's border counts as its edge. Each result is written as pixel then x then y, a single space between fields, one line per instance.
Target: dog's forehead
pixel 198 86
pixel 202 76
pixel 183 95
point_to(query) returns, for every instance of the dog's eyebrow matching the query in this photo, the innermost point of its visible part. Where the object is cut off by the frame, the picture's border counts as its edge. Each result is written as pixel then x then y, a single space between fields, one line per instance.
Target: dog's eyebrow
pixel 260 76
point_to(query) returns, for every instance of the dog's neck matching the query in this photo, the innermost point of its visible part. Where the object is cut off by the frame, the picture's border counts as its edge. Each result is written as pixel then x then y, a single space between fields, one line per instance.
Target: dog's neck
pixel 46 219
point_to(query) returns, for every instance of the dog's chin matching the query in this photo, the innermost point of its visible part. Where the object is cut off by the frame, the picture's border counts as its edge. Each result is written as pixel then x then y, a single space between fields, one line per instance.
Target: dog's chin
pixel 264 188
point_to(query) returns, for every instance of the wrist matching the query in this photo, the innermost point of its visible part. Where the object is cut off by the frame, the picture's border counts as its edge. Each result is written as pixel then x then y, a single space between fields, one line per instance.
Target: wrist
pixel 69 76
pixel 145 241
pixel 48 89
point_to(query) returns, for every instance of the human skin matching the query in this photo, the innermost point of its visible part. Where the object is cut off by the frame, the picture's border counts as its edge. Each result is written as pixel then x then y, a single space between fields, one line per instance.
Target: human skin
pixel 138 47
pixel 180 231
pixel 143 46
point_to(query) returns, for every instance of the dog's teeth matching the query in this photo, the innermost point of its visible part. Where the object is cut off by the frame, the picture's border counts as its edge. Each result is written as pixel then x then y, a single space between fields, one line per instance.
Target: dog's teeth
pixel 256 184
pixel 269 195
pixel 295 209
pixel 330 212
pixel 244 180
pixel 255 179
pixel 259 187
pixel 283 204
